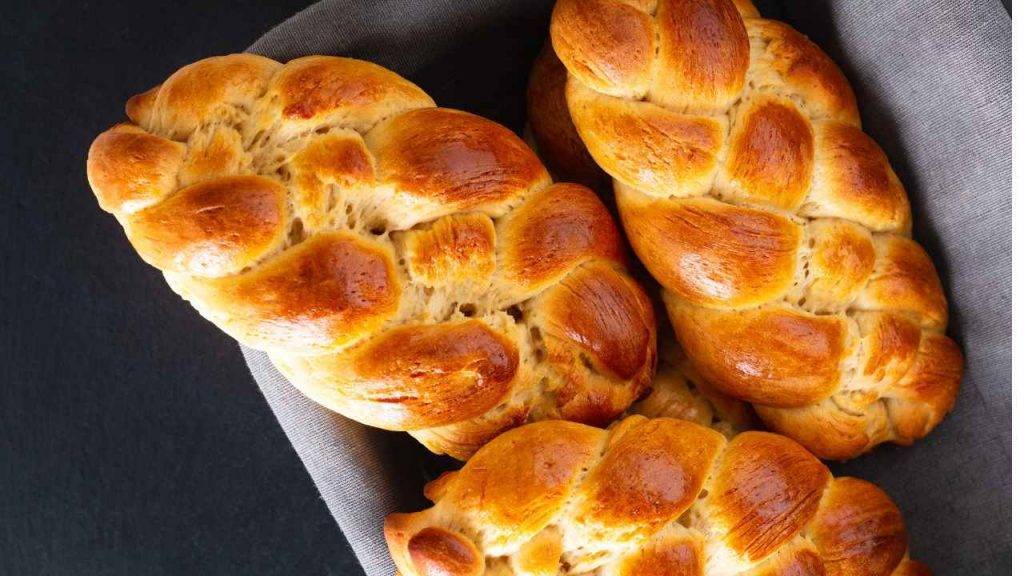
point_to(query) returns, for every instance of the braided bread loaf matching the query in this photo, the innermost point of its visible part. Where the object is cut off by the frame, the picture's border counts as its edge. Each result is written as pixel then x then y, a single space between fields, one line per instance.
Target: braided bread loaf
pixel 775 225
pixel 408 266
pixel 648 497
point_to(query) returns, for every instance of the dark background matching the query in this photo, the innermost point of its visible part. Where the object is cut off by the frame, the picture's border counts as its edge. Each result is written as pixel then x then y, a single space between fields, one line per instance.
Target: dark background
pixel 132 438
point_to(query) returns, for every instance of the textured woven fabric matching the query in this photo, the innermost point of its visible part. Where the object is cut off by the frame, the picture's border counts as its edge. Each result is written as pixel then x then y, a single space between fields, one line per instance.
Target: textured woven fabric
pixel 933 81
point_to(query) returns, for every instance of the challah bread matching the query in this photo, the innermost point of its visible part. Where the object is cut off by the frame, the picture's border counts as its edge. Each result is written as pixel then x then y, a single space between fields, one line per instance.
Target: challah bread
pixel 408 266
pixel 777 228
pixel 661 496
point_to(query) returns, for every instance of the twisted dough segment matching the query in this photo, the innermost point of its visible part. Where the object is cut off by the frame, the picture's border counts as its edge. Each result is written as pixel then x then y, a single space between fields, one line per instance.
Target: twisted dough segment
pixel 677 391
pixel 777 228
pixel 661 496
pixel 408 266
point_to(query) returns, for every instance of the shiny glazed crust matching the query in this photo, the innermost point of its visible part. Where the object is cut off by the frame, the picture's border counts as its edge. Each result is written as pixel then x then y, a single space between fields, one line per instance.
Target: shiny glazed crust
pixel 408 266
pixel 648 497
pixel 777 228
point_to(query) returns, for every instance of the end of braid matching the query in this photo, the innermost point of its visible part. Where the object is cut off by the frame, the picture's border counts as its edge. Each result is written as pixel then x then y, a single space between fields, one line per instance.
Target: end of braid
pixel 430 551
pixel 123 188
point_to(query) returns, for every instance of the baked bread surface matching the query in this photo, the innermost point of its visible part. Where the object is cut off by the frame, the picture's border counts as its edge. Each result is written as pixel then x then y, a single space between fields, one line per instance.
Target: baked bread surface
pixel 778 229
pixel 411 267
pixel 648 497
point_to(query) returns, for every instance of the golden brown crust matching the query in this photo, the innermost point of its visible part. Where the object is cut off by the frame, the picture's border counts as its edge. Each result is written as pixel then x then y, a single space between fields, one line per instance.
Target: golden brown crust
pixel 858 529
pixel 608 45
pixel 855 181
pixel 402 264
pixel 462 439
pixel 775 355
pixel 139 108
pixel 551 126
pixel 552 233
pixel 130 169
pixel 927 392
pixel 905 280
pixel 524 493
pixel 793 560
pixel 328 162
pixel 889 346
pixel 604 313
pixel 748 190
pixel 702 55
pixel 839 265
pixel 646 146
pixel 431 551
pixel 823 427
pixel 710 252
pixel 455 158
pixel 771 491
pixel 770 156
pixel 786 60
pixel 452 249
pixel 212 154
pixel 437 373
pixel 203 90
pixel 325 293
pixel 665 556
pixel 437 551
pixel 636 492
pixel 317 91
pixel 596 329
pixel 651 498
pixel 214 228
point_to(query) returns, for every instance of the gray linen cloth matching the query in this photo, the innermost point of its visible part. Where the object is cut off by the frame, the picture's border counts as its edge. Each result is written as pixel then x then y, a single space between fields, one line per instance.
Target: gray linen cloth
pixel 933 81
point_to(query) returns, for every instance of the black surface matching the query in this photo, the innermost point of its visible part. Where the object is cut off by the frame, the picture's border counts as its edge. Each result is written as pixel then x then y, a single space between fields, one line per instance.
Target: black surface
pixel 132 438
